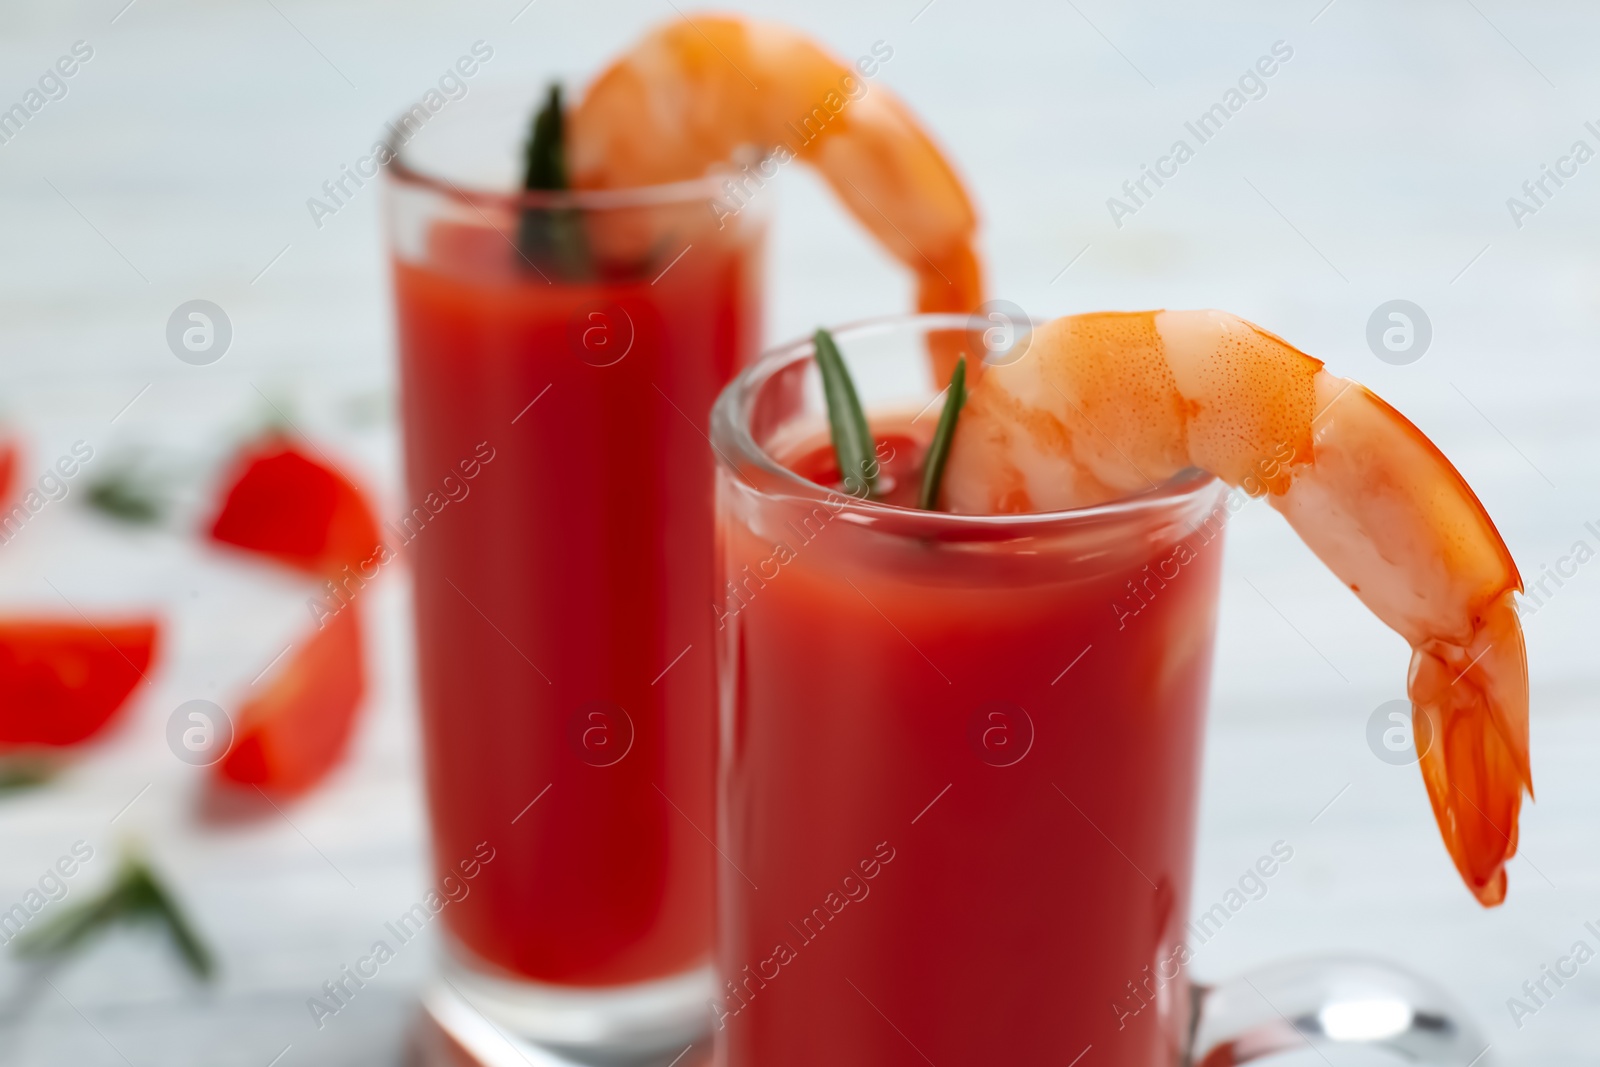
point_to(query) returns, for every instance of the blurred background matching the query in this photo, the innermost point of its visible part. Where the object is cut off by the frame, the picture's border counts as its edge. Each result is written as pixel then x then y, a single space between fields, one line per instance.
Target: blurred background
pixel 1378 163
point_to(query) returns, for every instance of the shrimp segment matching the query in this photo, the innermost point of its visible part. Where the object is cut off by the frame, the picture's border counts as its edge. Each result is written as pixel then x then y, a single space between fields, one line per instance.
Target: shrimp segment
pixel 690 96
pixel 1106 405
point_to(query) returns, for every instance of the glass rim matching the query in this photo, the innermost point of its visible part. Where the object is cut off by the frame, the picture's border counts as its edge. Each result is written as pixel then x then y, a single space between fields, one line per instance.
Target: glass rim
pixel 705 188
pixel 733 442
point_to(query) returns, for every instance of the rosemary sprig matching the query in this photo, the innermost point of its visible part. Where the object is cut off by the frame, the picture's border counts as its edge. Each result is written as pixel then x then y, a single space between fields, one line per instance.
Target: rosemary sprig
pixel 552 237
pixel 136 895
pixel 546 162
pixel 939 450
pixel 128 495
pixel 853 446
pixel 20 775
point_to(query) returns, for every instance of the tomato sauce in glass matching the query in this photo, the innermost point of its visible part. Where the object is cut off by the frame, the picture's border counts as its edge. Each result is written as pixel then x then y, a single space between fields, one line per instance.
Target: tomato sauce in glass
pixel 959 778
pixel 561 492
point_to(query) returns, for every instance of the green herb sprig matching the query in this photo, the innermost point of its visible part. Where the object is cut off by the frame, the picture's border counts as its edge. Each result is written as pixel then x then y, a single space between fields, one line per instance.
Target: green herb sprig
pixel 128 494
pixel 135 896
pixel 21 775
pixel 853 445
pixel 551 237
pixel 546 163
pixel 939 451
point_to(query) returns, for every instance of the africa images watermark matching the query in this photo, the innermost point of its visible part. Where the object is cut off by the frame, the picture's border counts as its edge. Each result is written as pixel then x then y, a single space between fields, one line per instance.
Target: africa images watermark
pixel 53 485
pixel 52 887
pixel 1252 85
pixel 1536 992
pixel 813 124
pixel 337 595
pixel 1539 590
pixel 1250 887
pixel 853 888
pixel 52 86
pixel 341 989
pixel 1155 576
pixel 742 587
pixel 1537 191
pixel 342 188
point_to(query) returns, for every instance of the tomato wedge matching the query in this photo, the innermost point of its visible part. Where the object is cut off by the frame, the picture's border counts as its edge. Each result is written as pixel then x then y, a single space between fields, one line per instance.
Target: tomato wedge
pixel 293 733
pixel 62 682
pixel 10 456
pixel 297 510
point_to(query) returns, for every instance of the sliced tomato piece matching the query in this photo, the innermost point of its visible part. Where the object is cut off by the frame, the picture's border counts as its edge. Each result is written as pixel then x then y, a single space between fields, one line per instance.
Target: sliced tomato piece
pixel 10 459
pixel 296 509
pixel 291 735
pixel 62 682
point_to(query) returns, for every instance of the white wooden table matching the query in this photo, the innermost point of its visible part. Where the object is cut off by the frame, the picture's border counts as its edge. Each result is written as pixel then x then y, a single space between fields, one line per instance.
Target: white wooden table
pixel 1376 166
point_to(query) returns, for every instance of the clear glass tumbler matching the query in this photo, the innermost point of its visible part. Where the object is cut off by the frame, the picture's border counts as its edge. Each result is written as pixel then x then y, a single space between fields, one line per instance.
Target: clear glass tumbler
pixel 559 353
pixel 960 761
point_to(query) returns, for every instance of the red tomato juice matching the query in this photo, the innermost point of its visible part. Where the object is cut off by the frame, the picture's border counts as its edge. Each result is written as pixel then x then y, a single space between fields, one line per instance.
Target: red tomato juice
pixel 959 778
pixel 561 590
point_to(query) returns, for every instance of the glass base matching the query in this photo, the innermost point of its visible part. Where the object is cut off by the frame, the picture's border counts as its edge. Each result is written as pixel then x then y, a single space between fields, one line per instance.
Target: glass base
pixel 522 1022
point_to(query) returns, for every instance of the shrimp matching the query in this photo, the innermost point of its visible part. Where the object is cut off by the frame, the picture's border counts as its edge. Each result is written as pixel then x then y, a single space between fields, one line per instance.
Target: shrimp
pixel 692 95
pixel 1105 405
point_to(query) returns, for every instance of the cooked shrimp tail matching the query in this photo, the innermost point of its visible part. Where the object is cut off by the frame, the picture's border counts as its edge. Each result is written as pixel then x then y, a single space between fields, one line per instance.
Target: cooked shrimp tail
pixel 1474 700
pixel 1106 405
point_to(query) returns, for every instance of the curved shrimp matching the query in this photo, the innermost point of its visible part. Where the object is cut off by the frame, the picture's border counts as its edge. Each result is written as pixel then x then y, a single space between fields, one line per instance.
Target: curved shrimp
pixel 1105 405
pixel 690 96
